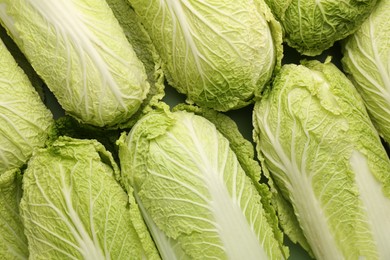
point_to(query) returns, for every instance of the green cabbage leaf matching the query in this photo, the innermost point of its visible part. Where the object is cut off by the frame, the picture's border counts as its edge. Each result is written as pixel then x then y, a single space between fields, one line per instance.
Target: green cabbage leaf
pixel 25 122
pixel 312 26
pixel 79 49
pixel 219 53
pixel 74 208
pixel 326 160
pixel 146 52
pixel 193 192
pixel 13 242
pixel 366 58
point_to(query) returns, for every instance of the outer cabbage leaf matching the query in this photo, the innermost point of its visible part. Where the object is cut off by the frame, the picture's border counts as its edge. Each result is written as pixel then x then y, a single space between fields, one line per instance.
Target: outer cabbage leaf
pixel 195 196
pixel 312 26
pixel 367 60
pixel 285 211
pixel 245 153
pixel 327 160
pixel 24 119
pixel 145 50
pixel 13 242
pixel 70 127
pixel 79 49
pixel 219 53
pixel 21 60
pixel 73 208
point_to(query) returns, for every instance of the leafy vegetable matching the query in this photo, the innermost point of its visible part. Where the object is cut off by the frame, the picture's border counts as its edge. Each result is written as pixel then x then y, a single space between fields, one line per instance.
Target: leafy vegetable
pixel 82 54
pixel 145 50
pixel 220 53
pixel 314 26
pixel 194 195
pixel 326 159
pixel 13 242
pixel 21 60
pixel 24 119
pixel 367 60
pixel 70 127
pixel 73 208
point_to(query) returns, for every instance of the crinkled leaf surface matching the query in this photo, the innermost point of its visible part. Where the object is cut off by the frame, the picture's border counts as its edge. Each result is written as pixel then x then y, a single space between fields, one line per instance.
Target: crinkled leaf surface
pixel 24 119
pixel 193 190
pixel 326 158
pixel 72 206
pixel 245 153
pixel 145 50
pixel 219 53
pixel 367 60
pixel 21 60
pixel 13 242
pixel 82 54
pixel 312 26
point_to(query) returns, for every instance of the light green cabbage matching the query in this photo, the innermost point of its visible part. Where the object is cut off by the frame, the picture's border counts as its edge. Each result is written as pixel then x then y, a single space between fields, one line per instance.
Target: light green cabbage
pixel 326 159
pixel 73 208
pixel 23 63
pixel 312 26
pixel 219 53
pixel 145 50
pixel 24 119
pixel 82 54
pixel 193 192
pixel 13 242
pixel 367 60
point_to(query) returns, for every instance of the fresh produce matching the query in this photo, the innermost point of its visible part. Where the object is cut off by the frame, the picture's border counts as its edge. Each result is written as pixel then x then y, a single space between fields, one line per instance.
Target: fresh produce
pixel 326 159
pixel 82 54
pixel 73 207
pixel 366 59
pixel 220 54
pixel 193 192
pixel 25 122
pixel 13 242
pixel 313 26
pixel 146 52
pixel 194 129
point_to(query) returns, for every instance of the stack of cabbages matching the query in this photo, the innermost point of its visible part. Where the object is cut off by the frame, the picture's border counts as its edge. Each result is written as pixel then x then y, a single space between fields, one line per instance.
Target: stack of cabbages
pixel 125 174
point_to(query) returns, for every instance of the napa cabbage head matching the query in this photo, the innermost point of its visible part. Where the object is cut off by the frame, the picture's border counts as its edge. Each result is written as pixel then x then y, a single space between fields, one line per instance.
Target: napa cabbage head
pixel 73 207
pixel 312 26
pixel 325 159
pixel 220 53
pixel 193 192
pixel 366 58
pixel 25 122
pixel 79 49
pixel 13 242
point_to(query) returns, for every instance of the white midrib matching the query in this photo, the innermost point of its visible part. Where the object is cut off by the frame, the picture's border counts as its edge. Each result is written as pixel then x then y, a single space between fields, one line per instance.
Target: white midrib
pixel 90 248
pixel 378 61
pixel 382 88
pixel 64 17
pixel 376 204
pixel 310 214
pixel 7 20
pixel 311 217
pixel 238 238
pixel 176 9
pixel 164 244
